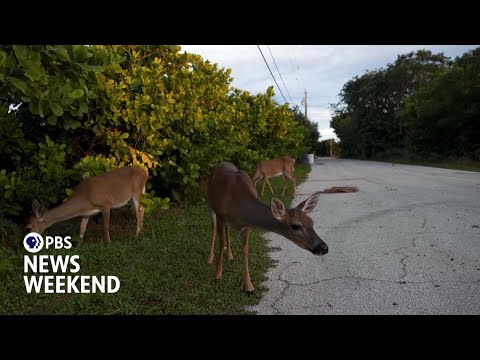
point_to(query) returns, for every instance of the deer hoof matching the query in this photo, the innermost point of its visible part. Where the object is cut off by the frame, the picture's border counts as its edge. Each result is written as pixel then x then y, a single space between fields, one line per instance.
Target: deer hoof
pixel 210 258
pixel 249 292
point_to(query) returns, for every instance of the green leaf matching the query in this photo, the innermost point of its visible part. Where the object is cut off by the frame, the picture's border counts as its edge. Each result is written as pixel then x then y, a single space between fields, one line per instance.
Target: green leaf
pixel 75 124
pixel 52 120
pixel 20 51
pixel 75 94
pixel 12 212
pixel 124 136
pixel 87 67
pixel 33 107
pixel 56 109
pixel 62 54
pixel 19 84
pixel 3 57
pixel 40 109
pixel 84 107
pixel 32 74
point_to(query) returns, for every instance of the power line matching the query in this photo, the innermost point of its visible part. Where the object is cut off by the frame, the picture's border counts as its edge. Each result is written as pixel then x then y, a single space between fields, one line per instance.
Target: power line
pixel 298 67
pixel 279 73
pixel 272 74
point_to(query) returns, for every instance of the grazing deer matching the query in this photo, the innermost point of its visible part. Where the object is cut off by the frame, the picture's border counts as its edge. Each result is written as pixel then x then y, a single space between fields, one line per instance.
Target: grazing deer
pixel 270 168
pixel 233 201
pixel 93 195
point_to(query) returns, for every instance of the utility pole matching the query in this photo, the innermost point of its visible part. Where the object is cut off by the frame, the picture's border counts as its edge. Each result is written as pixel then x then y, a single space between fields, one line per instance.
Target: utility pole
pixel 306 104
pixel 331 147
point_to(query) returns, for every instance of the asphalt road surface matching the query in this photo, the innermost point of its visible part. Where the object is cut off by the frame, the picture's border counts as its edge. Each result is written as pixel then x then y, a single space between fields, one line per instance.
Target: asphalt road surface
pixel 407 243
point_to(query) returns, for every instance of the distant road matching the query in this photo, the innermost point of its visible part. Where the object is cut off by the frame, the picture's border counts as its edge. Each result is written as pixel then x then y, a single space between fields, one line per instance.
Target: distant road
pixel 407 243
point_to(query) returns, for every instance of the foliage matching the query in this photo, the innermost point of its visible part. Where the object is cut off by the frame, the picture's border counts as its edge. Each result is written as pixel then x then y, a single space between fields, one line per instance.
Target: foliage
pixel 422 106
pixel 67 112
pixel 311 133
pixel 444 118
pixel 323 148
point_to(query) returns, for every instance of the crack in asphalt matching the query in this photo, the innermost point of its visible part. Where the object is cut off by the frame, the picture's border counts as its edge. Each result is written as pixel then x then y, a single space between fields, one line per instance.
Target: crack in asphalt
pixel 402 260
pixel 382 280
pixel 290 284
pixel 285 289
pixel 381 212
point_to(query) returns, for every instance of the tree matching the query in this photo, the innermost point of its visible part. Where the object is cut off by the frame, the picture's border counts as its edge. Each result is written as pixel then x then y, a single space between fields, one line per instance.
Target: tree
pixel 367 119
pixel 311 134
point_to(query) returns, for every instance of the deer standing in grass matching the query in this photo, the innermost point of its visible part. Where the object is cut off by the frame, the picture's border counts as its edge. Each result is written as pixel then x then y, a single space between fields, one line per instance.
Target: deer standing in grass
pixel 93 195
pixel 233 201
pixel 270 168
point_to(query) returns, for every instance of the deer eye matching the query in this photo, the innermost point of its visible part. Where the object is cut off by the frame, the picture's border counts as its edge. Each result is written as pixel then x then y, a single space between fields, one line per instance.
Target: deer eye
pixel 296 227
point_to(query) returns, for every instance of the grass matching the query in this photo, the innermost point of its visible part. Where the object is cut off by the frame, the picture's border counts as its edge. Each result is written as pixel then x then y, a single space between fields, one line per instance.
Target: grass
pixel 454 164
pixel 165 271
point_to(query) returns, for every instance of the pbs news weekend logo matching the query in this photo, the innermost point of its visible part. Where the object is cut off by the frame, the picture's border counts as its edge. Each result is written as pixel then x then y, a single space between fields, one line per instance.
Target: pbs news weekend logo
pixel 41 266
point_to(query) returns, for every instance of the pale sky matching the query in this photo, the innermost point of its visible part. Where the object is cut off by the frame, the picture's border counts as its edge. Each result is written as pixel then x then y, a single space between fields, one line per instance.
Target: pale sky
pixel 320 69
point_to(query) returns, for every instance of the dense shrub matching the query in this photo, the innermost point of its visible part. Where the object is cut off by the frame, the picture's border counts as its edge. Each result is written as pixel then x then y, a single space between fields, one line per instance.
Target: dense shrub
pixel 68 112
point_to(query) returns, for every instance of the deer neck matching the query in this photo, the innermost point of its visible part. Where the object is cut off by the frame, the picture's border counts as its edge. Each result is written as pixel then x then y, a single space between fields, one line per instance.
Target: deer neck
pixel 66 211
pixel 259 215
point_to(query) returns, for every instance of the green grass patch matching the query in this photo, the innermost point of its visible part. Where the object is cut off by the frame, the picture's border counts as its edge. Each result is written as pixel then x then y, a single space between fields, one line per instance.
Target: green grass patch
pixel 165 271
pixel 454 164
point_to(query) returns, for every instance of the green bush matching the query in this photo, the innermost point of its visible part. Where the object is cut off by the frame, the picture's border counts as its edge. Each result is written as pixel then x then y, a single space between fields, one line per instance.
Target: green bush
pixel 84 110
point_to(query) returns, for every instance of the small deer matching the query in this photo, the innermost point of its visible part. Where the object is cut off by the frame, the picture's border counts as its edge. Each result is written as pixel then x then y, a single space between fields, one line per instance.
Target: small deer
pixel 270 168
pixel 93 195
pixel 233 201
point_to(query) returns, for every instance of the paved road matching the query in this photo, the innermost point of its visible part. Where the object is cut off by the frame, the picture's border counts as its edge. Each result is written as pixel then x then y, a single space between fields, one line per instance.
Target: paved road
pixel 407 243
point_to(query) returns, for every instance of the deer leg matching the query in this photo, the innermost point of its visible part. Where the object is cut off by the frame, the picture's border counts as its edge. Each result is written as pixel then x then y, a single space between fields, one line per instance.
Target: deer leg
pixel 268 182
pixel 139 210
pixel 221 236
pixel 263 187
pixel 244 234
pixel 285 184
pixel 229 249
pixel 106 222
pixel 214 232
pixel 294 180
pixel 83 226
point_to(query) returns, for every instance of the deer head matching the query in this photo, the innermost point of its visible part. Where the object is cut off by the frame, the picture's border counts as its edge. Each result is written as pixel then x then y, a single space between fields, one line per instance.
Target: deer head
pixel 297 226
pixel 36 222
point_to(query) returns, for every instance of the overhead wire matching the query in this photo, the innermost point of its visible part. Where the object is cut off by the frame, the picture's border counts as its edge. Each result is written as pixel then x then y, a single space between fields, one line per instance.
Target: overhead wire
pixel 266 63
pixel 279 73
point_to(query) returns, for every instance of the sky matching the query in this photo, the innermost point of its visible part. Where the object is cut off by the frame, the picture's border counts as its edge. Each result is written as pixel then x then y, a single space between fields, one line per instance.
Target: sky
pixel 321 70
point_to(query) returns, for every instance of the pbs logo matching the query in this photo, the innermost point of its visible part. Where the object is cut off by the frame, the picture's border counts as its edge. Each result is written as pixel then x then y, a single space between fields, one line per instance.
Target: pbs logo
pixel 33 242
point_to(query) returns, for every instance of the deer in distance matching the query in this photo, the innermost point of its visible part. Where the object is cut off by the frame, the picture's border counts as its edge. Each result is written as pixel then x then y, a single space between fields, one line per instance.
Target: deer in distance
pixel 266 169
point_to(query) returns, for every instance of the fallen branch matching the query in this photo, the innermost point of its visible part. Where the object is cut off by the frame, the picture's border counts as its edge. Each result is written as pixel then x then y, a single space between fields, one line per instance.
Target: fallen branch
pixel 339 189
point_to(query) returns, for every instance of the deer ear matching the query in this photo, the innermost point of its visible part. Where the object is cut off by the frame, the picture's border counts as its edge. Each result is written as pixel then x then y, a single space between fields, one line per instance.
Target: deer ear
pixel 278 209
pixel 308 205
pixel 38 210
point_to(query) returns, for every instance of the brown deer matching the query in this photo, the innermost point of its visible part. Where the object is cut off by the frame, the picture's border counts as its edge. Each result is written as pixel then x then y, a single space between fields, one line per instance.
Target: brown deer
pixel 233 201
pixel 270 168
pixel 93 195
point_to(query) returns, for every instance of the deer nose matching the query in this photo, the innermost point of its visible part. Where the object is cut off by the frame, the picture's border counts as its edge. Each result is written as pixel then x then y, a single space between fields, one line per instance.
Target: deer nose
pixel 320 249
